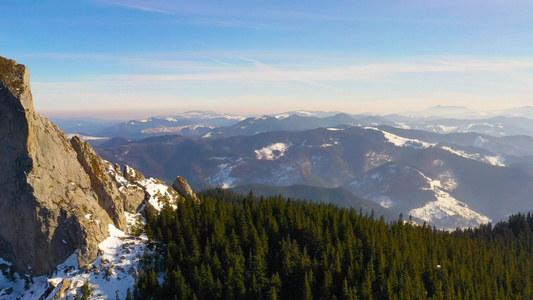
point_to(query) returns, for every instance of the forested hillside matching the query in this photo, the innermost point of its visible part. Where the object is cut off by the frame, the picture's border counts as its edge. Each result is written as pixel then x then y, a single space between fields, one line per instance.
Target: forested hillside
pixel 227 246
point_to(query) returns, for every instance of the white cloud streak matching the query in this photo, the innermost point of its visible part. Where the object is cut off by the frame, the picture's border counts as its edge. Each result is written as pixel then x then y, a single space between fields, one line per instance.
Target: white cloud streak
pixel 260 72
pixel 143 8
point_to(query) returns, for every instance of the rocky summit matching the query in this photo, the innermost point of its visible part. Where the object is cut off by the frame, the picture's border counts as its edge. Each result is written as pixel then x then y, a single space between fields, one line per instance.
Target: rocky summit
pixel 57 196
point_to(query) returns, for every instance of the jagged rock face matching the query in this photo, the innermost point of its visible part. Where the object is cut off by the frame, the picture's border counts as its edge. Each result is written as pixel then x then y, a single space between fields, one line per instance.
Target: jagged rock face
pixel 131 193
pixel 132 175
pixel 49 208
pixel 183 188
pixel 109 197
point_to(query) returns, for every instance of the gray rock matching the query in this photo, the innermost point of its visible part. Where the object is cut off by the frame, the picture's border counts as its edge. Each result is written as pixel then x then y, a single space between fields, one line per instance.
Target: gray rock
pixel 65 285
pixel 109 197
pixel 45 194
pixel 181 186
pixel 132 175
pixel 132 194
pixel 133 198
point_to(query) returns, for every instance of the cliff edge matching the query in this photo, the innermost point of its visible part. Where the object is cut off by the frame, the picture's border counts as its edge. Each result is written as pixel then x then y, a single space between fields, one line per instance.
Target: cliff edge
pixel 49 206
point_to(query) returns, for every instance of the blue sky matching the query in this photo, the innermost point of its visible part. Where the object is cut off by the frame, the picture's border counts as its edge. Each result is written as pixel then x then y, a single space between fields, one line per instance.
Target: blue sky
pixel 139 58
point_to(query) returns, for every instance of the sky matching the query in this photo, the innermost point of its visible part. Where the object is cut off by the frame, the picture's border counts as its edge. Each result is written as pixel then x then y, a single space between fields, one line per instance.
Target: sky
pixel 139 58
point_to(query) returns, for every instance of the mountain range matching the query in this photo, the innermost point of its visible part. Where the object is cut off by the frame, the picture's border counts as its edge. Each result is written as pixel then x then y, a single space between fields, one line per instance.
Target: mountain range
pixel 215 125
pixel 404 170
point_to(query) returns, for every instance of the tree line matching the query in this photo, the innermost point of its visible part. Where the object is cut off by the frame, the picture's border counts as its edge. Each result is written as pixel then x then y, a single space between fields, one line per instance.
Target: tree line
pixel 228 246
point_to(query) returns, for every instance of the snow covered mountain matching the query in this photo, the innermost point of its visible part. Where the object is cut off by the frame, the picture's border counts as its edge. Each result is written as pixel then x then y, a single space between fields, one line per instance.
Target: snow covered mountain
pixel 85 126
pixel 210 124
pixel 305 113
pixel 192 123
pixel 495 126
pixel 357 158
pixel 297 122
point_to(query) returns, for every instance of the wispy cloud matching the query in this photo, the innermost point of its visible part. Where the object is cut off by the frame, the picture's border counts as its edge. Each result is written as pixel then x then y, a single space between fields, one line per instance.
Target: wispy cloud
pixel 229 23
pixel 143 8
pixel 319 76
pixel 313 69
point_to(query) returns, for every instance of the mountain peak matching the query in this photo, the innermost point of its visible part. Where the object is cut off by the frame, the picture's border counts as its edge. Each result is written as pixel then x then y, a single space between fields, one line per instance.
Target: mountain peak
pixel 15 79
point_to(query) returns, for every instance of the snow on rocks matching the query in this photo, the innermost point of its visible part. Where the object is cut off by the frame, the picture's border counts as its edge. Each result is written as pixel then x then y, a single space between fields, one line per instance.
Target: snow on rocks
pixel 110 275
pixel 159 194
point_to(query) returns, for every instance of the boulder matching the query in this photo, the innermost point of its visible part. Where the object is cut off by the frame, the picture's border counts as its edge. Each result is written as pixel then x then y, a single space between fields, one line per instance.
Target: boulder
pixel 182 187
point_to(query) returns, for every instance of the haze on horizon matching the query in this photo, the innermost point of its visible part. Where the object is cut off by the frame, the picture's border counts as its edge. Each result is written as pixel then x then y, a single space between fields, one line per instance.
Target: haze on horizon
pixel 138 58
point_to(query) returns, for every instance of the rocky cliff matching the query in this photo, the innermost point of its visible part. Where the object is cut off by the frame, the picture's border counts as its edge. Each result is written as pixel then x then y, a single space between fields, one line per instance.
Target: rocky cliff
pixel 56 196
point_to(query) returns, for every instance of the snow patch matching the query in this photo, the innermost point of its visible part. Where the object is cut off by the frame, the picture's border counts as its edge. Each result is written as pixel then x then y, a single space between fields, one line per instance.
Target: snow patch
pixel 164 129
pixel 497 160
pixel 285 174
pixel 272 152
pixel 110 275
pixel 374 160
pixel 5 262
pixel 480 141
pixel 160 194
pixel 223 177
pixel 86 137
pixel 401 141
pixel 445 207
pixel 282 116
pixel 402 125
pixel 382 200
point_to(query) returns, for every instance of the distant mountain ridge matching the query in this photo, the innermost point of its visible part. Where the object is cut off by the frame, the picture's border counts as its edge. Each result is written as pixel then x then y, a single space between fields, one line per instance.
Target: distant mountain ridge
pixel 208 124
pixel 425 165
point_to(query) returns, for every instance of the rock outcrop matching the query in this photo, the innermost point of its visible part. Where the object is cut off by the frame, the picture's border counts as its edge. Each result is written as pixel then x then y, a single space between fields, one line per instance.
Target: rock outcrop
pixel 183 188
pixel 132 175
pixel 49 208
pixel 109 197
pixel 128 183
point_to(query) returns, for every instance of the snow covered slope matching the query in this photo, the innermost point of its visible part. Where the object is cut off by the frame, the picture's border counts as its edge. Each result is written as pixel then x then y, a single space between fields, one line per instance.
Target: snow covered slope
pixel 116 268
pixel 110 275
